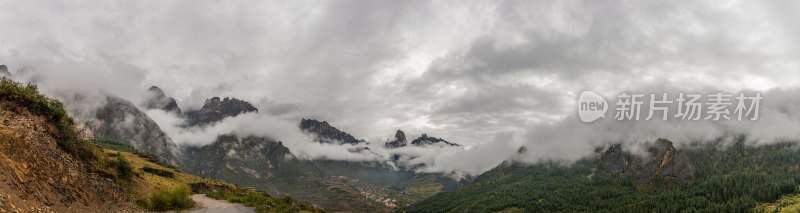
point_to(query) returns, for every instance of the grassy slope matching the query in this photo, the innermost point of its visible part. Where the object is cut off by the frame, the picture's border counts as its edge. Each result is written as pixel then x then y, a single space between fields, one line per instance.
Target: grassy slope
pixel 147 182
pixel 144 182
pixel 52 109
pixel 787 203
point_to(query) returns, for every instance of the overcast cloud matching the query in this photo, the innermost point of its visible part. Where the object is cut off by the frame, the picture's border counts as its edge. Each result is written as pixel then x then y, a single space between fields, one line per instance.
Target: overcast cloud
pixel 492 75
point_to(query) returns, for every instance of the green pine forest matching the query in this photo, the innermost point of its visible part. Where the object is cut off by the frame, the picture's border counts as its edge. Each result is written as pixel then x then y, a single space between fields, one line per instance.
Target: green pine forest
pixel 729 178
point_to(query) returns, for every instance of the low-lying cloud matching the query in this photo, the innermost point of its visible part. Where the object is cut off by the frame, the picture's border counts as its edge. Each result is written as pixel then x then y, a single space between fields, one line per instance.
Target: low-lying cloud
pixel 303 144
pixel 243 125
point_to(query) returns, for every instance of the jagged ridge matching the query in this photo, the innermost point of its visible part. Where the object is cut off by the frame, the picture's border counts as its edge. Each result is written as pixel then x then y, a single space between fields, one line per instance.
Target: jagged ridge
pixel 327 133
pixel 156 99
pixel 215 110
pixel 424 140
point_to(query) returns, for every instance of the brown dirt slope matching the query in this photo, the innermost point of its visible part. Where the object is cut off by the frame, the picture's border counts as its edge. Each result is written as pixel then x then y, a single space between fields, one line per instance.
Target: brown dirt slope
pixel 38 176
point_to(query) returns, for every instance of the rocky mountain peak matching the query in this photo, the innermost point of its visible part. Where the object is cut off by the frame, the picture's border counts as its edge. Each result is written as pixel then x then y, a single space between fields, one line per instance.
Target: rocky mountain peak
pixel 400 136
pixel 4 71
pixel 120 120
pixel 156 99
pixel 424 140
pixel 229 105
pixel 663 167
pixel 669 151
pixel 156 90
pixel 215 109
pixel 522 150
pixel 254 158
pixel 212 102
pixel 327 133
pixel 399 140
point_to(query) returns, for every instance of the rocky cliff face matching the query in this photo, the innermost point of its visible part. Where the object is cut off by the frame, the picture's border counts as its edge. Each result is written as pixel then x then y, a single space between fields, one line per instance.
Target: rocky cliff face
pixel 4 71
pixel 156 99
pixel 231 158
pixel 268 164
pixel 120 120
pixel 424 140
pixel 37 175
pixel 662 168
pixel 214 110
pixel 326 133
pixel 399 140
pixel 237 160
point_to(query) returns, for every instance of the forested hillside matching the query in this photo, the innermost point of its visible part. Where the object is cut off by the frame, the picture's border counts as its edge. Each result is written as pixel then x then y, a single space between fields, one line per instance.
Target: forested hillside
pixel 732 178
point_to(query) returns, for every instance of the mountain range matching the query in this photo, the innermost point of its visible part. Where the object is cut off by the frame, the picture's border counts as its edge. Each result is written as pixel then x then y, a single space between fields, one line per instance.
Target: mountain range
pixel 704 176
pixel 266 163
pixel 710 176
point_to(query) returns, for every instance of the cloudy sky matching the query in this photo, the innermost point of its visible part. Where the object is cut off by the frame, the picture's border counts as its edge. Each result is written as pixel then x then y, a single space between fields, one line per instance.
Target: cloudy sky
pixel 472 72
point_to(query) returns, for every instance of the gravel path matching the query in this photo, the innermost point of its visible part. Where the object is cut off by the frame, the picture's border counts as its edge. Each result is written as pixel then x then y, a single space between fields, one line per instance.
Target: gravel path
pixel 208 205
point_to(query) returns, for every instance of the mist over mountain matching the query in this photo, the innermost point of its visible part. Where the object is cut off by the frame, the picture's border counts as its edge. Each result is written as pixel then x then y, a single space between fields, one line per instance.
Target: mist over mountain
pixel 156 99
pixel 4 71
pixel 121 120
pixel 398 141
pixel 408 99
pixel 567 139
pixel 215 109
pixel 502 83
pixel 326 133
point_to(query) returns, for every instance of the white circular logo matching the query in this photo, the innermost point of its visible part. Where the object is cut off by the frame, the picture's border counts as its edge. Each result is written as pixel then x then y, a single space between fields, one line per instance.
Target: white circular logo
pixel 591 106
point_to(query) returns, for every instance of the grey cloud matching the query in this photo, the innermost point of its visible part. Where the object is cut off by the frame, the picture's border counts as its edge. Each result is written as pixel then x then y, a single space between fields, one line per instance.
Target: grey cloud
pixel 465 71
pixel 501 99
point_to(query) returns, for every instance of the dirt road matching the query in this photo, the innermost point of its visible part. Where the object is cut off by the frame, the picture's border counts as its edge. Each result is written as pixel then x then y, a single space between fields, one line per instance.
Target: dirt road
pixel 208 205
